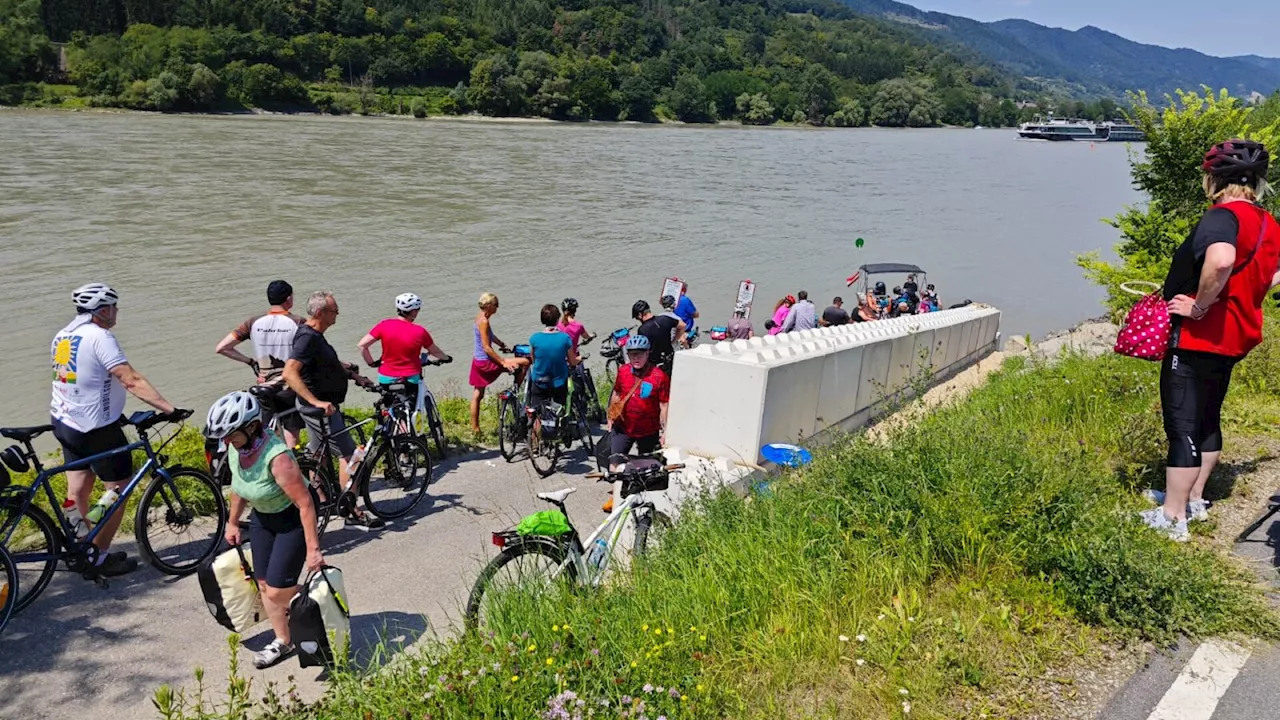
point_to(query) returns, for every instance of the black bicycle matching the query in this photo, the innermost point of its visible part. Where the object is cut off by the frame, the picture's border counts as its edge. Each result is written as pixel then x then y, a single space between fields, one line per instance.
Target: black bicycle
pixel 8 588
pixel 178 523
pixel 553 429
pixel 585 385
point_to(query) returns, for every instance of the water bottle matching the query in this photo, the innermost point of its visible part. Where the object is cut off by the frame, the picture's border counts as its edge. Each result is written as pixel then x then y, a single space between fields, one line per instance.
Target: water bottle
pixel 99 510
pixel 71 512
pixel 356 457
pixel 598 551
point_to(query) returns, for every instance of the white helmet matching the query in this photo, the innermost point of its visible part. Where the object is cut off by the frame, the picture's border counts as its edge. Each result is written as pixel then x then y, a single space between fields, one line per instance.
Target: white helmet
pixel 94 296
pixel 408 302
pixel 230 413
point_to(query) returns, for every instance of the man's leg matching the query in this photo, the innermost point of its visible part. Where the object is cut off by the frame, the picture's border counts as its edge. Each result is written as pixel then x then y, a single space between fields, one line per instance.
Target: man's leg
pixel 80 488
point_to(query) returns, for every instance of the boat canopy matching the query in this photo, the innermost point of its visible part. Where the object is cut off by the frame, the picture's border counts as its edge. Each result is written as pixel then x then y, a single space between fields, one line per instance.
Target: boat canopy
pixel 882 268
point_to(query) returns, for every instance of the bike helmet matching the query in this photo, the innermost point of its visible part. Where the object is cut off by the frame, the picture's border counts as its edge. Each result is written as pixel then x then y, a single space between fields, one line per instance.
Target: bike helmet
pixel 639 308
pixel 230 413
pixel 791 299
pixel 570 305
pixel 879 288
pixel 94 296
pixel 1242 162
pixel 637 342
pixel 668 301
pixel 408 302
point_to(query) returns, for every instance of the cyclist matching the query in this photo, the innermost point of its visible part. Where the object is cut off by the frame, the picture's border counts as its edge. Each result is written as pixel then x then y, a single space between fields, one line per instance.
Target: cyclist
pixel 272 335
pixel 403 342
pixel 552 353
pixel 90 377
pixel 570 326
pixel 658 329
pixel 282 527
pixel 644 390
pixel 319 378
pixel 1217 282
pixel 486 364
pixel 686 310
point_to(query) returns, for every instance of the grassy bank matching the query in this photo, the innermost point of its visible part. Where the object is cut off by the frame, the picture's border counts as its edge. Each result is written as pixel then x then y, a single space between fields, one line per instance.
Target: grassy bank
pixel 953 573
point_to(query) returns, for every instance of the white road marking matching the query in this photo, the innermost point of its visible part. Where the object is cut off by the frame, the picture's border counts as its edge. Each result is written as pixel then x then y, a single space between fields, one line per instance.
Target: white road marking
pixel 1202 683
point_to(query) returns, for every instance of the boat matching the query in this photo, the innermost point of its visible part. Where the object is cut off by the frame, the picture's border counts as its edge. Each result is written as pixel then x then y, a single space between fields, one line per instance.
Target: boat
pixel 1117 131
pixel 1060 129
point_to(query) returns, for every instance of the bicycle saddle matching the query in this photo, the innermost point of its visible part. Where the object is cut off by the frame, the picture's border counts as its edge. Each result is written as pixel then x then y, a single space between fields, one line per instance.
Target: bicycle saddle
pixel 557 496
pixel 24 434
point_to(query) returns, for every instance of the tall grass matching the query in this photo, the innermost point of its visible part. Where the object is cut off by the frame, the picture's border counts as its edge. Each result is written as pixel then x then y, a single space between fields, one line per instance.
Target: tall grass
pixel 937 575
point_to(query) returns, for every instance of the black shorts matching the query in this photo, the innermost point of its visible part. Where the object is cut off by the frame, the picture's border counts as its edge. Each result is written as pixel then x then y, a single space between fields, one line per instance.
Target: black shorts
pixel 620 444
pixel 78 445
pixel 279 547
pixel 1192 388
pixel 282 402
pixel 539 395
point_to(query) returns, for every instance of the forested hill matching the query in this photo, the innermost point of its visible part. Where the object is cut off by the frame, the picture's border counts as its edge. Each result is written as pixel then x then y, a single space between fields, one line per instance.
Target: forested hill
pixel 696 60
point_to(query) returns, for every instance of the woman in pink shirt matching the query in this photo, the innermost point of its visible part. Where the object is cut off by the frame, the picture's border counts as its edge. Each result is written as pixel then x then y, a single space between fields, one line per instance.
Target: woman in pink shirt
pixel 403 342
pixel 569 324
pixel 780 313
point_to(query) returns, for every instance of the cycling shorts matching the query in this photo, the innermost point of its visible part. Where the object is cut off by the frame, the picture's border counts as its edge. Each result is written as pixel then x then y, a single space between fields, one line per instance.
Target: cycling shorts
pixel 1192 388
pixel 539 395
pixel 620 444
pixel 78 445
pixel 281 402
pixel 279 546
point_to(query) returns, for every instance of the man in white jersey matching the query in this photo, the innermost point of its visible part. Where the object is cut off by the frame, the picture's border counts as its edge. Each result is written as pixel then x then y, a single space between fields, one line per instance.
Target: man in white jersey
pixel 272 336
pixel 90 377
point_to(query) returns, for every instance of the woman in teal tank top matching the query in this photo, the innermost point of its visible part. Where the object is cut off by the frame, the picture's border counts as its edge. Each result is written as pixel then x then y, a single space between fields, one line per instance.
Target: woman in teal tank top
pixel 282 529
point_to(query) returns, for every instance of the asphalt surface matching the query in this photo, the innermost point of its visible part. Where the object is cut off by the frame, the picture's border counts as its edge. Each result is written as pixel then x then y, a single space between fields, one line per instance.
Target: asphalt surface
pixel 85 652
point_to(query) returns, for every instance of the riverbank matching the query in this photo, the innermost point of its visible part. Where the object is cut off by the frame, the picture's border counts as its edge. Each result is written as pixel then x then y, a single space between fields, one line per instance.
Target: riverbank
pixel 982 561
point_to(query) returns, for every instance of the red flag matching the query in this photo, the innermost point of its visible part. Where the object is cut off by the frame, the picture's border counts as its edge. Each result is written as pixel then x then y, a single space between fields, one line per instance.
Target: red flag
pixel 852 279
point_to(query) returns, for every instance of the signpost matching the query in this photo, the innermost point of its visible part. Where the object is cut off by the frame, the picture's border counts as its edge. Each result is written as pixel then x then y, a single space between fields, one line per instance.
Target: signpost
pixel 746 294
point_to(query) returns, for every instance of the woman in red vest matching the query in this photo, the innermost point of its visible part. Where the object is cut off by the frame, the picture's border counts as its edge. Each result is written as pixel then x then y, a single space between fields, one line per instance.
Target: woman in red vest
pixel 1215 289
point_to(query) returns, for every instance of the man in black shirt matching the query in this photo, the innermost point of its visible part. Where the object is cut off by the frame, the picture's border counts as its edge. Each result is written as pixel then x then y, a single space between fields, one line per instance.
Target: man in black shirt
pixel 836 314
pixel 659 329
pixel 319 378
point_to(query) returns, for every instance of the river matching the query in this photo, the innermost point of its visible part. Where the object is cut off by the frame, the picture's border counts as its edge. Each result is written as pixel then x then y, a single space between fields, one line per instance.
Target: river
pixel 189 218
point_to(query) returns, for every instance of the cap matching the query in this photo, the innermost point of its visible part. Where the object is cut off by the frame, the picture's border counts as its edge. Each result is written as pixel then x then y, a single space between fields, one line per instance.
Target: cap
pixel 278 291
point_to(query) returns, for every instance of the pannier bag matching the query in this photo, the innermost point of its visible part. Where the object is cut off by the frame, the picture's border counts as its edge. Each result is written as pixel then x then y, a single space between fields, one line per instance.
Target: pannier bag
pixel 229 590
pixel 320 619
pixel 719 333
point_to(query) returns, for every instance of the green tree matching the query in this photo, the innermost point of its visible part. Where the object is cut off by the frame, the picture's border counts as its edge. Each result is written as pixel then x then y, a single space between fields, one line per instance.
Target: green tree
pixel 162 91
pixel 204 89
pixel 904 103
pixel 24 48
pixel 755 109
pixel 495 89
pixel 688 100
pixel 817 90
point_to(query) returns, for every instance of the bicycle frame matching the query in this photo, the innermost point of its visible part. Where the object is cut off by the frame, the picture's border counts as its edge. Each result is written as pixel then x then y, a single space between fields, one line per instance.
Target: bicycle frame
pixel 611 528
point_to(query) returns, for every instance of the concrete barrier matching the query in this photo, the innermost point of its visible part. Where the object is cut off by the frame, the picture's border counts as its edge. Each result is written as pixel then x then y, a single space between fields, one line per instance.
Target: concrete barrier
pixel 731 398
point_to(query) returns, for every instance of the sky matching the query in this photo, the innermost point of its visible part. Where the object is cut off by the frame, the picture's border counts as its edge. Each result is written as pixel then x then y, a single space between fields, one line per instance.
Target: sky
pixel 1244 27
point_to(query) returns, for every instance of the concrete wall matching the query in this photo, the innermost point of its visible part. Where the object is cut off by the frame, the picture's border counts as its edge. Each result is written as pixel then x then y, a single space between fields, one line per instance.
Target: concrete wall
pixel 731 398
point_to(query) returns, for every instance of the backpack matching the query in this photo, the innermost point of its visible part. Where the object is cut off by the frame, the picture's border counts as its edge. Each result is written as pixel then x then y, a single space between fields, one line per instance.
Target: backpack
pixel 320 619
pixel 229 590
pixel 1145 332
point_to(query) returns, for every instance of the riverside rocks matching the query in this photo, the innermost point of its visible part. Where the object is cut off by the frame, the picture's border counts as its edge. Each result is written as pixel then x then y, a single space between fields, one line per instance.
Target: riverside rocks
pixel 1091 338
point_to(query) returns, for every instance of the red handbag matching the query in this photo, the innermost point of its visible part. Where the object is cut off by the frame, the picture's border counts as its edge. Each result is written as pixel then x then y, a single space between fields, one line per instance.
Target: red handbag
pixel 1145 332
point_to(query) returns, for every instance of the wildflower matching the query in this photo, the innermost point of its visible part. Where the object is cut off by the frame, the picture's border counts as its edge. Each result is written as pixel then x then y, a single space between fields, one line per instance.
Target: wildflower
pixel 564 626
pixel 423 671
pixel 703 638
pixel 551 661
pixel 844 638
pixel 633 663
pixel 860 661
pixel 595 651
pixel 693 628
pixel 684 698
pixel 674 693
pixel 670 631
pixel 645 627
pixel 700 688
pixel 466 673
pixel 903 692
pixel 647 688
pixel 911 619
pixel 862 638
pixel 626 700
pixel 657 631
pixel 555 628
pixel 428 696
pixel 906 707
pixel 497 666
pixel 515 678
pixel 480 672
pixel 881 617
pixel 442 679
pixel 532 648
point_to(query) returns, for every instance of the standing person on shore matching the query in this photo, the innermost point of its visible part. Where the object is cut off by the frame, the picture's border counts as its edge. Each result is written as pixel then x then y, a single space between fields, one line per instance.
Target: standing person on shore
pixel 802 316
pixel 90 377
pixel 660 329
pixel 780 311
pixel 836 314
pixel 320 380
pixel 1215 288
pixel 282 524
pixel 686 310
pixel 272 335
pixel 570 326
pixel 486 364
pixel 739 327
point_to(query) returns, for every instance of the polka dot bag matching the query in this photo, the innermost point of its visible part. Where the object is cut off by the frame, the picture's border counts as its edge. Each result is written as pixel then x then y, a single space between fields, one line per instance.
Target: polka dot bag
pixel 1145 332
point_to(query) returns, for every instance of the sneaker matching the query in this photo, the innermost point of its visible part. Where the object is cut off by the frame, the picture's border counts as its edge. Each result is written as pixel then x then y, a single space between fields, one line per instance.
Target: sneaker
pixel 1197 510
pixel 364 521
pixel 1155 519
pixel 115 564
pixel 272 654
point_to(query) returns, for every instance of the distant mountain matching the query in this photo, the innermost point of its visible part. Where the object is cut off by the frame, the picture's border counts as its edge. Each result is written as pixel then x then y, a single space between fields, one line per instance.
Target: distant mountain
pixel 1088 60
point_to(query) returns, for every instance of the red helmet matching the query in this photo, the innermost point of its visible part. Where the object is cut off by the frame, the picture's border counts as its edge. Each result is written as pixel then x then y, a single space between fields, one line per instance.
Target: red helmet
pixel 791 299
pixel 1237 161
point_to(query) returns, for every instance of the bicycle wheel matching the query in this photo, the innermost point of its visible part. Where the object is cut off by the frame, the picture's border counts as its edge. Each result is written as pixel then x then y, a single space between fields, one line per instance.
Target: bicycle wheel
pixel 33 548
pixel 436 426
pixel 323 489
pixel 397 477
pixel 508 429
pixel 529 565
pixel 595 413
pixel 357 434
pixel 544 452
pixel 8 588
pixel 650 526
pixel 180 520
pixel 582 418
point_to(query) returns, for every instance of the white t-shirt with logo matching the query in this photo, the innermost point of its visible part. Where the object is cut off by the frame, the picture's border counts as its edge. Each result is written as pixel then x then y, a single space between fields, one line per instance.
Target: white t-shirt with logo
pixel 85 394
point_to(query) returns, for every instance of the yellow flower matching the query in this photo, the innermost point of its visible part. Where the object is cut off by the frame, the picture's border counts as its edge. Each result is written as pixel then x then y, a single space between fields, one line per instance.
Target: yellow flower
pixel 700 688
pixel 551 661
pixel 532 648
pixel 565 626
pixel 515 678
pixel 693 628
pixel 684 698
pixel 644 628
pixel 702 638
pixel 657 631
pixel 555 628
pixel 670 631
pixel 633 663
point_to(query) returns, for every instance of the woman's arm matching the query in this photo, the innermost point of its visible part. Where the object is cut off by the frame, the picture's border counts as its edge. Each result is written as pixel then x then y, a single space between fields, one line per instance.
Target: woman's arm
pixel 364 344
pixel 233 515
pixel 289 477
pixel 435 352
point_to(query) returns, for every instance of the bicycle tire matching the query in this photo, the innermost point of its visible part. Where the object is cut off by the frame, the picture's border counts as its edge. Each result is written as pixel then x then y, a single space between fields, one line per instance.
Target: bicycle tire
pixel 324 508
pixel 43 562
pixel 436 426
pixel 645 523
pixel 8 588
pixel 405 481
pixel 544 453
pixel 595 412
pixel 554 552
pixel 582 416
pixel 197 505
pixel 508 429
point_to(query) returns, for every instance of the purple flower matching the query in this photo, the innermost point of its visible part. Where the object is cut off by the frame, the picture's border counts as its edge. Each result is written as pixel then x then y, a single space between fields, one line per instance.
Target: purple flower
pixel 626 700
pixel 674 693
pixel 647 688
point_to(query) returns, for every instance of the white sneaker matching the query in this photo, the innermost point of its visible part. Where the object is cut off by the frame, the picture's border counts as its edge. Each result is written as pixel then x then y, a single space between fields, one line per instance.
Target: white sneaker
pixel 272 654
pixel 1155 519
pixel 1197 510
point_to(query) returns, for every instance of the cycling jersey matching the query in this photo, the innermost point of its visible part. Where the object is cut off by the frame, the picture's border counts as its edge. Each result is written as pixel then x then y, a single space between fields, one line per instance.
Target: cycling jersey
pixel 85 394
pixel 659 330
pixel 403 343
pixel 272 336
pixel 574 330
pixel 550 358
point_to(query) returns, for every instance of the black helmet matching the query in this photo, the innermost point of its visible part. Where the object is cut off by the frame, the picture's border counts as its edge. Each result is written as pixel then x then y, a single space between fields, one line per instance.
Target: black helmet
pixel 880 288
pixel 570 305
pixel 1241 162
pixel 641 307
pixel 668 301
pixel 897 289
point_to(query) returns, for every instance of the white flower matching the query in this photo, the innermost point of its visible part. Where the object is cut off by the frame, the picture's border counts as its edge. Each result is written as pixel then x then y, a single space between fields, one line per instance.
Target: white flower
pixel 906 707
pixel 844 638
pixel 903 691
pixel 911 619
pixel 881 616
pixel 862 638
pixel 860 661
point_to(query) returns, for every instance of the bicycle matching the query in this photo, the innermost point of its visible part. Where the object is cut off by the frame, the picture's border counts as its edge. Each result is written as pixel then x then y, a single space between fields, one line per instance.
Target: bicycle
pixel 564 558
pixel 585 384
pixel 404 462
pixel 8 588
pixel 553 431
pixel 182 500
pixel 611 351
pixel 416 401
pixel 513 422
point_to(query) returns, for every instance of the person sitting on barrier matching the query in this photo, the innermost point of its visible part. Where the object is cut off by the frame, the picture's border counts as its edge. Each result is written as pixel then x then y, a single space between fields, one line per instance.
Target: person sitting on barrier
pixel 803 315
pixel 282 527
pixel 638 405
pixel 774 326
pixel 739 327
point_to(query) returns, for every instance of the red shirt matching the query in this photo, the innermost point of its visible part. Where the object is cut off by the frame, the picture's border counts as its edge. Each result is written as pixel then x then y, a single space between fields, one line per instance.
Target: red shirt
pixel 402 346
pixel 642 415
pixel 1233 325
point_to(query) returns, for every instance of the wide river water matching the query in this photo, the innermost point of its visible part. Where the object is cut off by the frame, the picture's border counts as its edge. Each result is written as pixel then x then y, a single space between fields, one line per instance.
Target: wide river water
pixel 189 217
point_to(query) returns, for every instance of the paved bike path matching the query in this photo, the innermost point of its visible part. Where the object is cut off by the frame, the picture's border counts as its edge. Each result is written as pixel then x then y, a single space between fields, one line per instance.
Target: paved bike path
pixel 102 653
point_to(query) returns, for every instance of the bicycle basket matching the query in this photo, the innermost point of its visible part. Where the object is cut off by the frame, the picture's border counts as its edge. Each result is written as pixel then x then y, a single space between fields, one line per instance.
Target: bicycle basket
pixel 551 523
